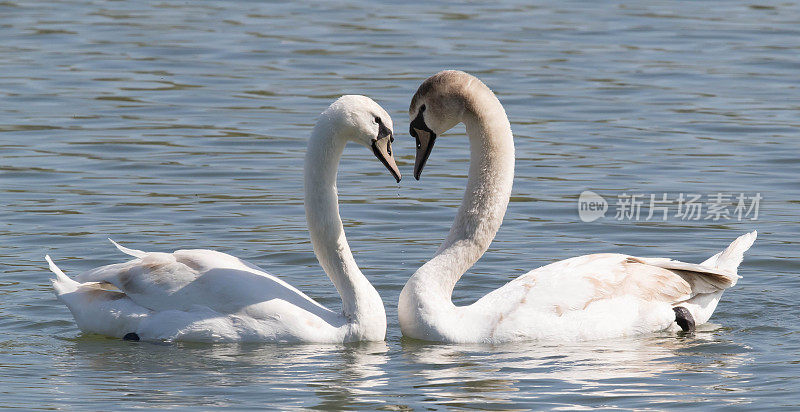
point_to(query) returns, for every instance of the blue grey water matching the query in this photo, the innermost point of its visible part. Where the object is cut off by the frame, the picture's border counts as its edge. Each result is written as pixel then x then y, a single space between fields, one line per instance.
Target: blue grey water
pixel 167 125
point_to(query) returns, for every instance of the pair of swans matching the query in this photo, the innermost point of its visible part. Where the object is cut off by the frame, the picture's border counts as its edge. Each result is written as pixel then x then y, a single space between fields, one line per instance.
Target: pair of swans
pixel 204 295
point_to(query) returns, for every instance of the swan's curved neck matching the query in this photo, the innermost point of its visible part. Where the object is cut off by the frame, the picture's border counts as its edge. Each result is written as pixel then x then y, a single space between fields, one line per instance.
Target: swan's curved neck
pixel 491 173
pixel 360 301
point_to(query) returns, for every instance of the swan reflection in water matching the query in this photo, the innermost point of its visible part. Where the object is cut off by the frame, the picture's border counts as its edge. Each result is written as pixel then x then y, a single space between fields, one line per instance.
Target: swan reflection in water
pixel 379 375
pixel 225 374
pixel 648 366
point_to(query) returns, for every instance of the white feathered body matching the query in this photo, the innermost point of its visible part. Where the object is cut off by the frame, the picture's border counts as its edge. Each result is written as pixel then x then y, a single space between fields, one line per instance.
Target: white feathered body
pixel 582 298
pixel 196 295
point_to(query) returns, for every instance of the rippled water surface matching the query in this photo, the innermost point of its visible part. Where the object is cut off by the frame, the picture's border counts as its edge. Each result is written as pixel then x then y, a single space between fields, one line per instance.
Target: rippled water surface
pixel 169 125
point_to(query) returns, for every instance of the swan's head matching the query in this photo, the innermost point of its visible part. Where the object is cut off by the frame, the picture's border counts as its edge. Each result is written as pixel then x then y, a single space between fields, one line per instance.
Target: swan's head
pixel 439 105
pixel 359 119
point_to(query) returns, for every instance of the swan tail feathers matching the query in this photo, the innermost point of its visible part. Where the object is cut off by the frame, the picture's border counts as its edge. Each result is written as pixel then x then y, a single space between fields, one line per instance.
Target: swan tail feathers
pixel 95 308
pixel 715 273
pixel 128 251
pixel 62 283
pixel 702 305
pixel 730 258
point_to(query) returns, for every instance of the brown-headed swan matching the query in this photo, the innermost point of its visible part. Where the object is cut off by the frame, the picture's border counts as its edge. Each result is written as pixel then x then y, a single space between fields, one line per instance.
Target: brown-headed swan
pixel 586 297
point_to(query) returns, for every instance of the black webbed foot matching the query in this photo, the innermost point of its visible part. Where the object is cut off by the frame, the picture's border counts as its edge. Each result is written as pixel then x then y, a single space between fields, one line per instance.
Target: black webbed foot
pixel 131 336
pixel 684 318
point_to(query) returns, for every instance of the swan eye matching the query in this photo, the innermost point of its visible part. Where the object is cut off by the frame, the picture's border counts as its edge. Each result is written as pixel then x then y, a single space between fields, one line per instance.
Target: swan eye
pixel 422 108
pixel 378 120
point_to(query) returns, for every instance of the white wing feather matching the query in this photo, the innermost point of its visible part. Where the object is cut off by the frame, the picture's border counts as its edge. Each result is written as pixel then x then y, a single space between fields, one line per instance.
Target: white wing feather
pixel 198 295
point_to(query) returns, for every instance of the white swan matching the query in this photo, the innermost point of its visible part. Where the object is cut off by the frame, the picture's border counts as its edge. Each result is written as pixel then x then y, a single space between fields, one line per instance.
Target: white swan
pixel 204 295
pixel 586 297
